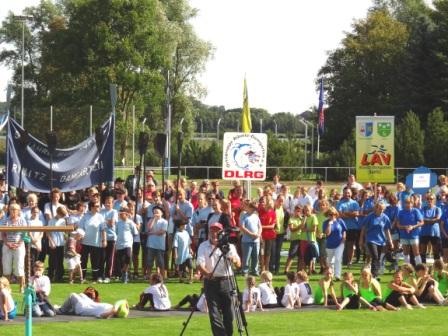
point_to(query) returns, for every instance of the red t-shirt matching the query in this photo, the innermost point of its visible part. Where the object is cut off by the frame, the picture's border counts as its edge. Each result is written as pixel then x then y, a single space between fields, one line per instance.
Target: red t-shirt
pixel 267 218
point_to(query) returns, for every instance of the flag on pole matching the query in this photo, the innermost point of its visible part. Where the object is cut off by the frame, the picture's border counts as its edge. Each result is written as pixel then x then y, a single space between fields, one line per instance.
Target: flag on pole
pixel 246 123
pixel 321 108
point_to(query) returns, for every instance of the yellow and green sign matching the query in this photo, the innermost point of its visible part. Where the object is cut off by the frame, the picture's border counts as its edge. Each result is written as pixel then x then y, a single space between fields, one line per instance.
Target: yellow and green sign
pixel 375 155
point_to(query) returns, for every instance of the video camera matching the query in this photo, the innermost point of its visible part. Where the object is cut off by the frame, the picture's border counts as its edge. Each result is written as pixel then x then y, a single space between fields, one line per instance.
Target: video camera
pixel 224 237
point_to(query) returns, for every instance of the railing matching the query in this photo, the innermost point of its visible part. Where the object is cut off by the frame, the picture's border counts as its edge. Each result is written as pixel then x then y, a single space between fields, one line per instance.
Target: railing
pixel 303 173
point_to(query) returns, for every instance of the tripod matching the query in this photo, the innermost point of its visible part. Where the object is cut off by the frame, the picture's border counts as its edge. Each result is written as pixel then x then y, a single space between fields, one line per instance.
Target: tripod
pixel 236 304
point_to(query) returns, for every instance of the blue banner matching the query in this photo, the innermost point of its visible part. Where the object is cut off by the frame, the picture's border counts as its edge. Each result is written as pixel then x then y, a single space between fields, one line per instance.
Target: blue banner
pixel 78 167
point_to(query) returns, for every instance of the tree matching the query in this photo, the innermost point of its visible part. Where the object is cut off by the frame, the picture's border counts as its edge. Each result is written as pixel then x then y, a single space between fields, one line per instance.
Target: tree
pixel 436 138
pixel 409 142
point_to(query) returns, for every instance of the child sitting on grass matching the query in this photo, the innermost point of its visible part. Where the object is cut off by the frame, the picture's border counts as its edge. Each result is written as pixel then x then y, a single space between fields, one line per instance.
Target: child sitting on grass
pixel 268 296
pixel 156 294
pixel 8 307
pixel 427 288
pixel 325 294
pixel 290 293
pixel 401 293
pixel 197 302
pixel 251 296
pixel 370 290
pixel 42 286
pixel 305 292
pixel 441 275
pixel 350 293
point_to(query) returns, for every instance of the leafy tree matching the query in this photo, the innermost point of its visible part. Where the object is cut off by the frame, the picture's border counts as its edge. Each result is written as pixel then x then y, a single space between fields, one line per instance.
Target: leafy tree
pixel 436 138
pixel 409 141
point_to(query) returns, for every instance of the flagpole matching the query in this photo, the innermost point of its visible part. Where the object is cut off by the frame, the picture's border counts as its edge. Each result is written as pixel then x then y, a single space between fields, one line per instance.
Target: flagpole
pixel 113 100
pixel 318 142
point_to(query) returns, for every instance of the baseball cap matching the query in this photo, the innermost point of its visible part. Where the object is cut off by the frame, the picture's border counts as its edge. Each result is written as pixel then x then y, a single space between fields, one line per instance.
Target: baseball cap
pixel 216 226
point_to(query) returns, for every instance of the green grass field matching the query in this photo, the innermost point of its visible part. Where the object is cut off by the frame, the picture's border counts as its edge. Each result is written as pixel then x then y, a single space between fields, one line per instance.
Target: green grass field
pixel 306 322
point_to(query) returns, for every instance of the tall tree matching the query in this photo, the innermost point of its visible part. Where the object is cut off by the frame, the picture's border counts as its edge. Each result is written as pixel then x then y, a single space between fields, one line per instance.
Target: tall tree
pixel 436 138
pixel 409 141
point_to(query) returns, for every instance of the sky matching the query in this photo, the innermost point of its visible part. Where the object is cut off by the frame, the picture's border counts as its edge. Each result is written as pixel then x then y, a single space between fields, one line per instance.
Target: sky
pixel 279 45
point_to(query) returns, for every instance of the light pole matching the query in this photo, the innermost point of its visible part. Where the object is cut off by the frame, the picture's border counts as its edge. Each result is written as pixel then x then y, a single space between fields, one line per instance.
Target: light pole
pixel 261 125
pixel 23 18
pixel 238 125
pixel 312 142
pixel 306 138
pixel 133 136
pixel 217 128
pixel 275 126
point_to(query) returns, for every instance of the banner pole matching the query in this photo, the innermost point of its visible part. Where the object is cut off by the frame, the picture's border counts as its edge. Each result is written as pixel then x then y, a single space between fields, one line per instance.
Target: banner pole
pixel 51 117
pixel 133 136
pixel 113 100
pixel 91 117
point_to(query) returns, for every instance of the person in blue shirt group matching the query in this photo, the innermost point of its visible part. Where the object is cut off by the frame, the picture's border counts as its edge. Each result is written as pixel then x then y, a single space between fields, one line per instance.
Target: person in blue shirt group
pixel 250 241
pixel 125 230
pixel 392 211
pixel 376 232
pixel 183 253
pixel 156 230
pixel 409 221
pixel 335 231
pixel 349 211
pixel 107 263
pixel 430 231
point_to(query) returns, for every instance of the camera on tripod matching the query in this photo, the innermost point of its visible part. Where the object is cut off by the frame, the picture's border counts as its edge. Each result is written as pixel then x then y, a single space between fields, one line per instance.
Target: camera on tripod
pixel 224 238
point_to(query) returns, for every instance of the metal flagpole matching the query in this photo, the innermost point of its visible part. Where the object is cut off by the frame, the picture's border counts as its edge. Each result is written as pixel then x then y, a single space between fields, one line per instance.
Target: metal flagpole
pixel 51 117
pixel 318 142
pixel 113 100
pixel 133 135
pixel 91 119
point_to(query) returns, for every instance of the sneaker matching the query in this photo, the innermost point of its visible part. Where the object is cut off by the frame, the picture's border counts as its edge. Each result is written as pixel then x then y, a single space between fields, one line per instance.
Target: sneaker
pixel 106 280
pixel 100 280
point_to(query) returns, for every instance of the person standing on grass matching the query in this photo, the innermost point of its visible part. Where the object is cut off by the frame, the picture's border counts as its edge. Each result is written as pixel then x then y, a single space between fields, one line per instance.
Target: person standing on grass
pixel 49 213
pixel 95 239
pixel 183 253
pixel 156 229
pixel 125 230
pixel 268 221
pixel 136 237
pixel 349 211
pixel 392 211
pixel 111 216
pixel 56 243
pixel 309 250
pixel 281 223
pixel 250 241
pixel 323 206
pixel 430 231
pixel 409 222
pixel 376 233
pixel 335 232
pixel 295 222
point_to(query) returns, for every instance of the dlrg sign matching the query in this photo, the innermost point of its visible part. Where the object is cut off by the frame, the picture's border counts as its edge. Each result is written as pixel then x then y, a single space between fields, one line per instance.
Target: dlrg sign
pixel 244 156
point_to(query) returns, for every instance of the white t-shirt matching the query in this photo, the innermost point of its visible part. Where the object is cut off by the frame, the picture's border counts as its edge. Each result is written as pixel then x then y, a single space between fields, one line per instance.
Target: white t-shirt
pixel 87 307
pixel 291 295
pixel 209 263
pixel 8 299
pixel 268 295
pixel 41 283
pixel 256 296
pixel 160 296
pixel 305 293
pixel 202 304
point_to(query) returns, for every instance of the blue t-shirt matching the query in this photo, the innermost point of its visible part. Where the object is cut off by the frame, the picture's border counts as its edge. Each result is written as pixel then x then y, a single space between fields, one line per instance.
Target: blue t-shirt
pixel 375 227
pixel 92 225
pixel 402 195
pixel 125 231
pixel 110 230
pixel 57 237
pixel 334 239
pixel 253 224
pixel 392 212
pixel 187 208
pixel 182 242
pixel 201 215
pixel 158 242
pixel 432 230
pixel 349 205
pixel 407 218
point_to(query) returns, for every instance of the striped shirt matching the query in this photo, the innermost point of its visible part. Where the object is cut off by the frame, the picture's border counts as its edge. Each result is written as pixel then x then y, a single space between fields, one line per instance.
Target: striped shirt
pixel 14 237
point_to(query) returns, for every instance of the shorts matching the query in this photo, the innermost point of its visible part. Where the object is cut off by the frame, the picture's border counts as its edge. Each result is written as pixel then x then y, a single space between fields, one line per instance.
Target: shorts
pixel 303 248
pixel 186 264
pixel 266 247
pixel 13 260
pixel 354 302
pixel 136 249
pixel 413 241
pixel 376 302
pixel 322 247
pixel 426 296
pixel 157 255
pixel 353 236
pixel 444 243
pixel 293 249
pixel 73 262
pixel 394 298
pixel 124 256
pixel 425 240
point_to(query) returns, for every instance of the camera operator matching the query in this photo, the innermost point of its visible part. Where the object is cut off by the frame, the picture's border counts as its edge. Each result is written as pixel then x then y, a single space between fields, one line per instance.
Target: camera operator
pixel 217 285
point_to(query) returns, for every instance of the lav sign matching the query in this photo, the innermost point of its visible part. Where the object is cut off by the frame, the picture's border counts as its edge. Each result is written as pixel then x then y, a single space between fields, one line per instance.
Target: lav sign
pixel 244 156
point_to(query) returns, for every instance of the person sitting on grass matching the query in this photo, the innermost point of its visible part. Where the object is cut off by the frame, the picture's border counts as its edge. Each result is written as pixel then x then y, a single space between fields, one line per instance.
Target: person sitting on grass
pixel 370 290
pixel 305 292
pixel 427 287
pixel 197 302
pixel 325 294
pixel 408 272
pixel 290 293
pixel 350 294
pixel 441 275
pixel 183 253
pixel 86 304
pixel 268 296
pixel 8 307
pixel 156 294
pixel 400 293
pixel 251 296
pixel 42 287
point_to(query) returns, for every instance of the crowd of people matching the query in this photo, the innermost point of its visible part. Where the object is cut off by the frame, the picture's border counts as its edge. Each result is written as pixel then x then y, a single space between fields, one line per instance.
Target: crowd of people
pixel 127 232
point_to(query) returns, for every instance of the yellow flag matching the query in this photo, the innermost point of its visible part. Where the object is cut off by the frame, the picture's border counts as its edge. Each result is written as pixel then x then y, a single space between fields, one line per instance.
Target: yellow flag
pixel 246 123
